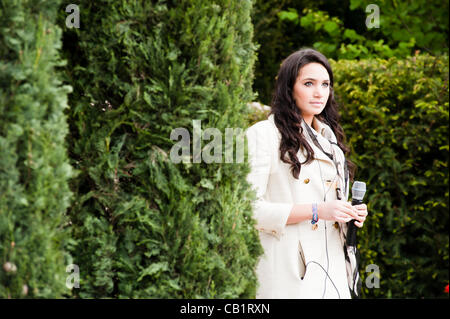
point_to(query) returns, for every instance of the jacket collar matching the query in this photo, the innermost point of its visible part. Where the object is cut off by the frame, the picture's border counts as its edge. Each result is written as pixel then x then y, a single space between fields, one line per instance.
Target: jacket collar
pixel 324 135
pixel 324 130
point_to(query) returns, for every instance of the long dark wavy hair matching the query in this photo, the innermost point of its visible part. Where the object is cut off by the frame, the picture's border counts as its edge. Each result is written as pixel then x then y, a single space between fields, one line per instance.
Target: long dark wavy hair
pixel 288 117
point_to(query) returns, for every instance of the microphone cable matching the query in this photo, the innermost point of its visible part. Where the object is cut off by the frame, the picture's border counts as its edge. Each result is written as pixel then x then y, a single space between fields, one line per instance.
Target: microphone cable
pixel 316 142
pixel 326 237
pixel 315 262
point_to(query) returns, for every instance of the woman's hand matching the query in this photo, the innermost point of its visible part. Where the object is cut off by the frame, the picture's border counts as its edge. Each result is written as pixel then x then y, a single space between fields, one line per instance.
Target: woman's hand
pixel 361 211
pixel 340 211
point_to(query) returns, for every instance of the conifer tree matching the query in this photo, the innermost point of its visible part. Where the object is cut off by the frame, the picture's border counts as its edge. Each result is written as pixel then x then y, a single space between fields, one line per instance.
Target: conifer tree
pixel 34 167
pixel 144 226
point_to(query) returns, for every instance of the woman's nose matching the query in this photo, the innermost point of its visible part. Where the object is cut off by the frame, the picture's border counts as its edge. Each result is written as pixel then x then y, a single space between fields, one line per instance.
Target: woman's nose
pixel 317 92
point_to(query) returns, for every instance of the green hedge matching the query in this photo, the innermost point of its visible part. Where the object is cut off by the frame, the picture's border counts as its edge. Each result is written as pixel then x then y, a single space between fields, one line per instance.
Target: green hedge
pixel 144 227
pixel 34 167
pixel 396 115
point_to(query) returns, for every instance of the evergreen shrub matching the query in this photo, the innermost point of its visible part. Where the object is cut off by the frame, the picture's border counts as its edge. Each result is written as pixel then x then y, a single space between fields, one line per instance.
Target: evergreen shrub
pixel 143 226
pixel 34 166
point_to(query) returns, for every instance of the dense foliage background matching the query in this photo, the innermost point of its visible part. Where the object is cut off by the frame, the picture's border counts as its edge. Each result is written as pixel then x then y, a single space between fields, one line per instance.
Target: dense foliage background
pixel 395 113
pixel 87 113
pixel 142 225
pixel 340 29
pixel 34 167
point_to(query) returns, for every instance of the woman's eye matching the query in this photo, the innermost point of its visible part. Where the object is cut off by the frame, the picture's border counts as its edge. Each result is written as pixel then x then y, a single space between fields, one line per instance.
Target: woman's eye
pixel 324 84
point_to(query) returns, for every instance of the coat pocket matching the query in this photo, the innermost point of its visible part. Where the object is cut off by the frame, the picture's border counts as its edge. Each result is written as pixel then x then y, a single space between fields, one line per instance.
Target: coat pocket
pixel 302 261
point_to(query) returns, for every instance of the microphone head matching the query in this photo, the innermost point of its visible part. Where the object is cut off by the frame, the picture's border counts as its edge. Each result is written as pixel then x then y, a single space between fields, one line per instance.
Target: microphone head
pixel 358 190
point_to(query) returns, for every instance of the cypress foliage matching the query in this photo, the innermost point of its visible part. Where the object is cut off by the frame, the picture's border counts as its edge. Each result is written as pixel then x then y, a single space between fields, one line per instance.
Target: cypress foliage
pixel 144 226
pixel 34 168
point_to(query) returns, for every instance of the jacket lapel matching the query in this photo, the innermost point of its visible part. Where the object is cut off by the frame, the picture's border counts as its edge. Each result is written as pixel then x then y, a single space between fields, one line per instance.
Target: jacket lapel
pixel 325 134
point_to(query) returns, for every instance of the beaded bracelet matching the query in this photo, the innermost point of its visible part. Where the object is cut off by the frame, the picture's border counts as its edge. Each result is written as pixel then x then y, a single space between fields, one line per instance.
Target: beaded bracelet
pixel 315 216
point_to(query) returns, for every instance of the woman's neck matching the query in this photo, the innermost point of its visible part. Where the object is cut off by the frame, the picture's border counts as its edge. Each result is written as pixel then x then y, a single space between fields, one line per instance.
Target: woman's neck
pixel 308 119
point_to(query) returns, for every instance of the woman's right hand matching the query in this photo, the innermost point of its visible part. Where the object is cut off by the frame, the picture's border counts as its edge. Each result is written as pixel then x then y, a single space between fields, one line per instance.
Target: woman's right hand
pixel 337 210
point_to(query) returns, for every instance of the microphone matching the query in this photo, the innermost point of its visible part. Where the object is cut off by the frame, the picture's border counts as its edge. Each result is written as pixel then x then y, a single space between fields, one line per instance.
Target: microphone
pixel 358 191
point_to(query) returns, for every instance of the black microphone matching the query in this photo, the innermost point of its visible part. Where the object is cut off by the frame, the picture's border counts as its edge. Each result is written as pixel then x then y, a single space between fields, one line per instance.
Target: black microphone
pixel 358 191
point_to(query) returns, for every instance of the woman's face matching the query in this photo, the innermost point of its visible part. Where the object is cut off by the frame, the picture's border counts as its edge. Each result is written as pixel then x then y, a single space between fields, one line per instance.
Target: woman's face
pixel 311 90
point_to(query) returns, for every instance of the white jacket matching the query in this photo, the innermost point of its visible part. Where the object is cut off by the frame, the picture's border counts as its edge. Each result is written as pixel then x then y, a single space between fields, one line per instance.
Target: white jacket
pixel 288 248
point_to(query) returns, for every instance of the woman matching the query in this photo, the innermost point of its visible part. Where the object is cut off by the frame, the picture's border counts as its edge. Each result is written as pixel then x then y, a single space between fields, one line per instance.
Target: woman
pixel 299 172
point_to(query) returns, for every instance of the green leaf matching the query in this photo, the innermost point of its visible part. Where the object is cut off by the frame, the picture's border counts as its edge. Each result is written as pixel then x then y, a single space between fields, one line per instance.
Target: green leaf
pixel 291 15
